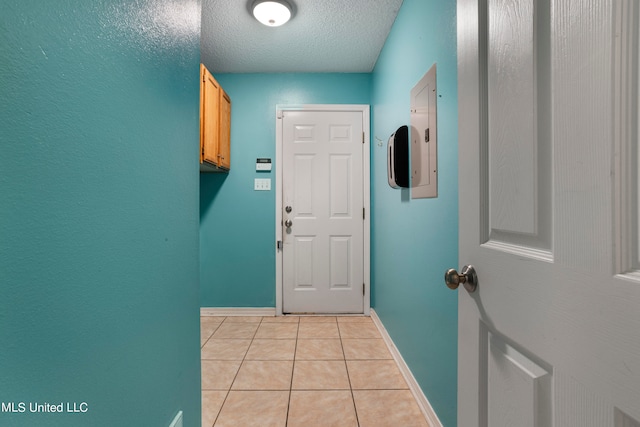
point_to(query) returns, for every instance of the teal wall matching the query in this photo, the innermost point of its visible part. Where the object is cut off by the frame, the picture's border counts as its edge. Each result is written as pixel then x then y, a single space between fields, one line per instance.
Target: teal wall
pixel 237 234
pixel 415 241
pixel 99 211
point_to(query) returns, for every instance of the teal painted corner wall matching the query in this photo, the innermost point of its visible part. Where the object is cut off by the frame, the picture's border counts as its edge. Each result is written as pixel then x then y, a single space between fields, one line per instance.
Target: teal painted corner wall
pixel 99 211
pixel 237 234
pixel 415 241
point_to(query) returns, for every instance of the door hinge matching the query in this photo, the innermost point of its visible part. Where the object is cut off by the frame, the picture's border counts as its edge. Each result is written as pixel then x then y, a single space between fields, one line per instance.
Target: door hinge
pixel 362 213
pixel 363 137
pixel 363 289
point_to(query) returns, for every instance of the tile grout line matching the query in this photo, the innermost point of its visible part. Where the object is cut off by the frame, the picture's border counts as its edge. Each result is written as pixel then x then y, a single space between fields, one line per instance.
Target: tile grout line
pixel 236 375
pixel 210 336
pixel 293 366
pixel 346 366
pixel 227 395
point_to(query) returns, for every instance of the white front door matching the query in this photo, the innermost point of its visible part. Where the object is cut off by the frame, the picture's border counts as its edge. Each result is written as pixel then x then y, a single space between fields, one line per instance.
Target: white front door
pixel 323 200
pixel 548 146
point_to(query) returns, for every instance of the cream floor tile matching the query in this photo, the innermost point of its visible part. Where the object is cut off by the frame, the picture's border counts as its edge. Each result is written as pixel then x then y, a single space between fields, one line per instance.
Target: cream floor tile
pixel 211 320
pixel 264 375
pixel 358 330
pixel 281 319
pixel 271 349
pixel 211 403
pixel 218 319
pixel 319 349
pixel 321 394
pixel 354 319
pixel 317 319
pixel 320 375
pixel 236 330
pixel 365 349
pixel 327 408
pixel 203 341
pixel 225 349
pixel 388 408
pixel 318 330
pixel 375 375
pixel 208 326
pixel 254 409
pixel 219 374
pixel 277 330
pixel 243 319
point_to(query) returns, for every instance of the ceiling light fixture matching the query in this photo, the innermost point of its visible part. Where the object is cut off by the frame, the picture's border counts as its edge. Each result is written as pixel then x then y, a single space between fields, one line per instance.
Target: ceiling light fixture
pixel 272 13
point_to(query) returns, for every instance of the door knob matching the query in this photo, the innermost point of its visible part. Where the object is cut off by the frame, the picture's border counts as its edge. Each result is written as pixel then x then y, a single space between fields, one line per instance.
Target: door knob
pixel 467 277
pixel 288 223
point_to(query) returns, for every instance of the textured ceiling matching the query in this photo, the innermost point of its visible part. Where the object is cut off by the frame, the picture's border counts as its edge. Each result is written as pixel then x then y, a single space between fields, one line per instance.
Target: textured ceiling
pixel 343 36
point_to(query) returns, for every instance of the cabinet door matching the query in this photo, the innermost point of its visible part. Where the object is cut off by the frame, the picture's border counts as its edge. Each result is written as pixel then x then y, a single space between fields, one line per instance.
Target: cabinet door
pixel 209 117
pixel 224 143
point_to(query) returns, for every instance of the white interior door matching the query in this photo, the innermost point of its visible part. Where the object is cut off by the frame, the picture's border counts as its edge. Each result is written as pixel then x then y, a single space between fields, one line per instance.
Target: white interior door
pixel 548 134
pixel 322 211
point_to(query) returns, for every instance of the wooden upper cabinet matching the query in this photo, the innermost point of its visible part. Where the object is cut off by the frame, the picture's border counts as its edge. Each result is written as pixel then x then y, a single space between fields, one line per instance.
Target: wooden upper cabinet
pixel 224 137
pixel 215 124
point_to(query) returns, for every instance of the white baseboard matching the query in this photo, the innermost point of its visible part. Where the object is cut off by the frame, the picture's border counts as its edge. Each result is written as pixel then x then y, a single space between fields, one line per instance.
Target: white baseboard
pixel 239 311
pixel 423 403
pixel 177 421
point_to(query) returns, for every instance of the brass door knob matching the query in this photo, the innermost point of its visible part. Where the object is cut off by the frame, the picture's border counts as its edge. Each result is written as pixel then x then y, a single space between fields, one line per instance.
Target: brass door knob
pixel 466 277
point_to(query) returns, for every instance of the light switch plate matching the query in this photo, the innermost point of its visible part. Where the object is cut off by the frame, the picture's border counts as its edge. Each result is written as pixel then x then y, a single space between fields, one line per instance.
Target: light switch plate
pixel 262 184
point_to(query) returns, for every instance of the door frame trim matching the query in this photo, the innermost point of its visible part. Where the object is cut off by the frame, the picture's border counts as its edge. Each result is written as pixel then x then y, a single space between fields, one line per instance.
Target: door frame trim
pixel 366 188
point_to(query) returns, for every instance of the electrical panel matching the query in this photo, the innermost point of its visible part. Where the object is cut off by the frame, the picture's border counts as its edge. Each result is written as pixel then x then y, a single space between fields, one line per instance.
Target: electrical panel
pixel 424 137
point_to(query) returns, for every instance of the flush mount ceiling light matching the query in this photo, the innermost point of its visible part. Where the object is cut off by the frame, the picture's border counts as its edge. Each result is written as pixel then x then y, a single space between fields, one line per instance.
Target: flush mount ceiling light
pixel 272 13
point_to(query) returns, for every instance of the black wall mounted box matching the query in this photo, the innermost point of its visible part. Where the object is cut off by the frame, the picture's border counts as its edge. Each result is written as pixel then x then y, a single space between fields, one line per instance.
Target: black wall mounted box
pixel 398 158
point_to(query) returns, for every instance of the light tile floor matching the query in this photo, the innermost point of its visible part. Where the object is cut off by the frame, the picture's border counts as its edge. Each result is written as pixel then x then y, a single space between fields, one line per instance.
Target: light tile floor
pixel 301 371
